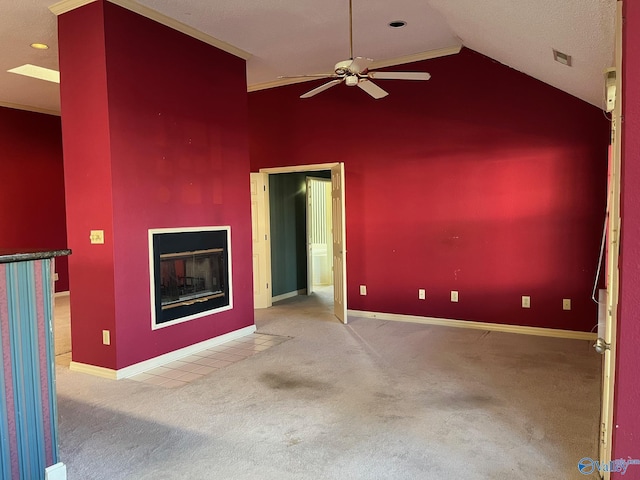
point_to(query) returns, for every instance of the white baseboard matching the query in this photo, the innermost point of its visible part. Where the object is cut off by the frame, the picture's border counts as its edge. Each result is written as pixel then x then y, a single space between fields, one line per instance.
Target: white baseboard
pixel 494 327
pixel 56 472
pixel 284 296
pixel 61 294
pixel 93 370
pixel 160 360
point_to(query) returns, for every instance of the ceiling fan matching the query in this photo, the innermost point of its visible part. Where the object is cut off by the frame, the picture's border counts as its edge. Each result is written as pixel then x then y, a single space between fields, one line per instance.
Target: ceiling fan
pixel 355 72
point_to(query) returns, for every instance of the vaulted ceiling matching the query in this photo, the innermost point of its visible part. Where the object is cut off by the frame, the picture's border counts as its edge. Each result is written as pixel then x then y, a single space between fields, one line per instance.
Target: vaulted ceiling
pixel 290 37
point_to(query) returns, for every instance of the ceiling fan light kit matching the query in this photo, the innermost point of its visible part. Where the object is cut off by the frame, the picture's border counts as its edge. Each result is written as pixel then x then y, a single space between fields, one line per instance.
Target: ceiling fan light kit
pixel 351 80
pixel 355 72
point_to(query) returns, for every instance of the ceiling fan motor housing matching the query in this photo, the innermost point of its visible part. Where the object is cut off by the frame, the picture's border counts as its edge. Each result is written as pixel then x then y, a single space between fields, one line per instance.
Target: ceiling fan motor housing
pixel 342 67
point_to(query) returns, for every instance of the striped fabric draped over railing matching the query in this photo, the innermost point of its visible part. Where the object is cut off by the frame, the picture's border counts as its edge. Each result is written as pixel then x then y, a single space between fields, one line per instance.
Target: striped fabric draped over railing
pixel 28 417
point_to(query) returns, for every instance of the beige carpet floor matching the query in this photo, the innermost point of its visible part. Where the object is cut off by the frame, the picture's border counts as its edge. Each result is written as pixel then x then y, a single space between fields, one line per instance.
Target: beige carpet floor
pixel 370 400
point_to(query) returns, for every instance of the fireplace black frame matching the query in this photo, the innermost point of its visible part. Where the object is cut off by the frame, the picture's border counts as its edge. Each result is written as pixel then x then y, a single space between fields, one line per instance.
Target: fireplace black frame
pixel 173 241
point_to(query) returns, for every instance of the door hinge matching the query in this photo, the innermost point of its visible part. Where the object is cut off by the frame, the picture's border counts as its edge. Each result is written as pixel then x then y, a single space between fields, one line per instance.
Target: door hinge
pixel 267 286
pixel 264 188
pixel 601 346
pixel 265 236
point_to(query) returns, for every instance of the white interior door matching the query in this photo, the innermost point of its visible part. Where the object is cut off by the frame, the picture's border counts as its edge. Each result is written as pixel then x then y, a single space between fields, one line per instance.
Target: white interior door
pixel 310 244
pixel 319 239
pixel 261 242
pixel 339 244
pixel 613 236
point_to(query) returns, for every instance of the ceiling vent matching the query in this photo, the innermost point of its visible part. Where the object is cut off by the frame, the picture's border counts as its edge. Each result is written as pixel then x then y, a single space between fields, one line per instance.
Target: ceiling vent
pixel 562 58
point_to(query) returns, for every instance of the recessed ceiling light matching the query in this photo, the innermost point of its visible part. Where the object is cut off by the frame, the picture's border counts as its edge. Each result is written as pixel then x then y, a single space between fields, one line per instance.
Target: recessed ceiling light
pixel 40 46
pixel 34 71
pixel 397 24
pixel 562 58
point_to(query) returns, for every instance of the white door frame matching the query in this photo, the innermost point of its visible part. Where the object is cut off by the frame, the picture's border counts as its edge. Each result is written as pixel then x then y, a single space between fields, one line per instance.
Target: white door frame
pixel 316 167
pixel 308 238
pixel 612 271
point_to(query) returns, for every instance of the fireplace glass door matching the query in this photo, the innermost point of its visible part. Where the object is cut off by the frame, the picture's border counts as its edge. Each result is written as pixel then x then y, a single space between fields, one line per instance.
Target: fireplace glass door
pixel 190 277
pixel 190 274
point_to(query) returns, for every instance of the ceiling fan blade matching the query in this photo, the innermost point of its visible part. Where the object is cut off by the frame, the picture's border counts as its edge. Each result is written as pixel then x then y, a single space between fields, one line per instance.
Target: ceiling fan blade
pixel 321 88
pixel 316 75
pixel 359 64
pixel 400 75
pixel 372 89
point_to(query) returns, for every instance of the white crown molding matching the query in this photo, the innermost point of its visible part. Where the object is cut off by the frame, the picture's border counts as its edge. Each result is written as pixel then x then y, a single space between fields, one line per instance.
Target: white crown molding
pixel 29 108
pixel 181 27
pixel 416 57
pixel 494 327
pixel 65 6
pixel 282 82
pixel 68 5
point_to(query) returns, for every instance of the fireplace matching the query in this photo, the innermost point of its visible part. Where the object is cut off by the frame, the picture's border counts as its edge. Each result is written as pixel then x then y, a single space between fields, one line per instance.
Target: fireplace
pixel 190 273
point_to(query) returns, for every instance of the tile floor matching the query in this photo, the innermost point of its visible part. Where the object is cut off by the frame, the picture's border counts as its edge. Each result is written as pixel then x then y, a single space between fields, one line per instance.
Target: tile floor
pixel 179 372
pixel 188 369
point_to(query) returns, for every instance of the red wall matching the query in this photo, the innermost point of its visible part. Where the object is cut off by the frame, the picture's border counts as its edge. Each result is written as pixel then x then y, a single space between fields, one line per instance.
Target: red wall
pixel 168 147
pixel 482 180
pixel 87 170
pixel 626 434
pixel 32 213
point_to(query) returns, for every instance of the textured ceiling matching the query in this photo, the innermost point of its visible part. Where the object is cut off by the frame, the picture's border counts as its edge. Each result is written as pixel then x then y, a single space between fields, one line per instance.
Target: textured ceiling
pixel 288 37
pixel 23 22
pixel 522 34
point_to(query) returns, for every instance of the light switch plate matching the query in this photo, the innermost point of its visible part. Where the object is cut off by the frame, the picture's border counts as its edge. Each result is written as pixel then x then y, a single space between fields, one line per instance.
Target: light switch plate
pixel 363 289
pixel 526 301
pixel 566 304
pixel 422 294
pixel 454 296
pixel 106 337
pixel 97 236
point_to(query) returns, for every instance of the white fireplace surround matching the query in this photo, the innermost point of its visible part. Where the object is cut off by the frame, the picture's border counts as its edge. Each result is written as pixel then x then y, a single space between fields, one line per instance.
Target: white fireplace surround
pixel 152 276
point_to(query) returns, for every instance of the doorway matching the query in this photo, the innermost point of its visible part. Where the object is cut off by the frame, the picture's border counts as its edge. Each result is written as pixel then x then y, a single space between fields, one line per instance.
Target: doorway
pixel 319 244
pixel 294 259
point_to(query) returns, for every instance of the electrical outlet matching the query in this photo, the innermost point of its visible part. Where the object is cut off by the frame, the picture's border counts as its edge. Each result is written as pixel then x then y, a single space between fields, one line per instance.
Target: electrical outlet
pixel 566 304
pixel 526 301
pixel 422 294
pixel 55 277
pixel 106 337
pixel 363 289
pixel 454 296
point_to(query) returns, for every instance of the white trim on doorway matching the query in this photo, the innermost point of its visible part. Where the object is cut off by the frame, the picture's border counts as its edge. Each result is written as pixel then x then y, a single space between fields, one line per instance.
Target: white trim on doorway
pixel 315 167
